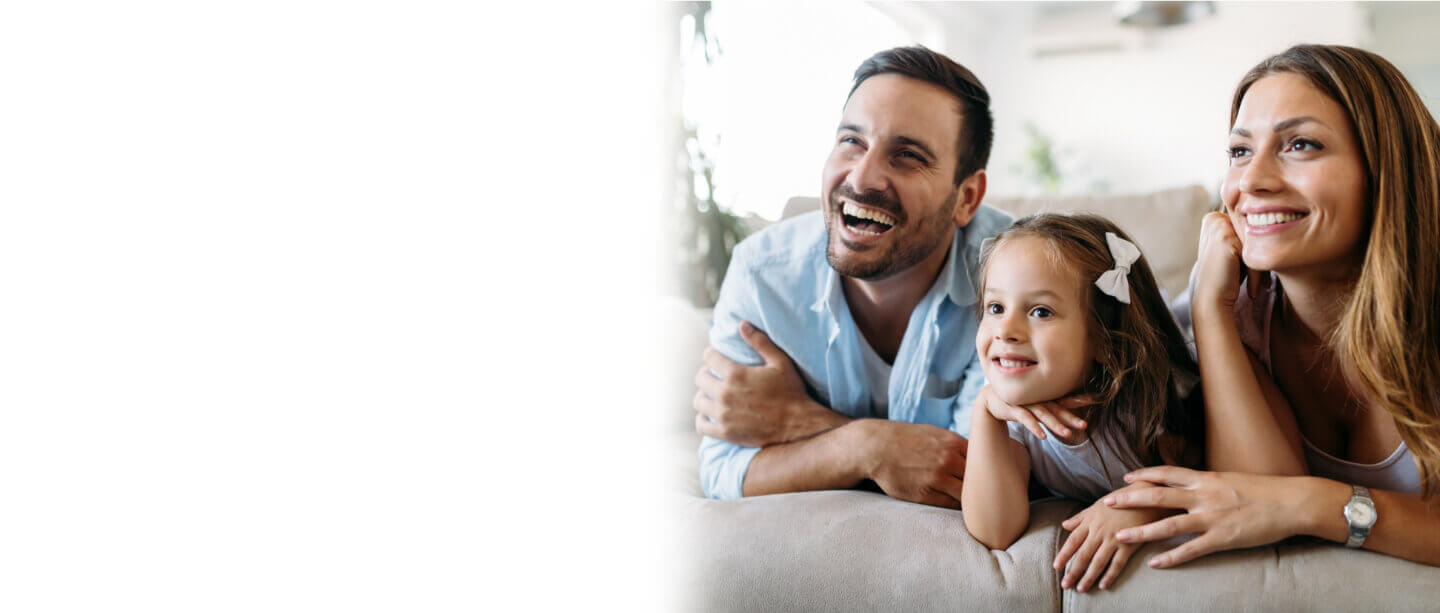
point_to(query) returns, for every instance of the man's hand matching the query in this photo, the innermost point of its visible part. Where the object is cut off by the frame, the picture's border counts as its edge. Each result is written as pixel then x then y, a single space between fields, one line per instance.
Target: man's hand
pixel 915 462
pixel 757 406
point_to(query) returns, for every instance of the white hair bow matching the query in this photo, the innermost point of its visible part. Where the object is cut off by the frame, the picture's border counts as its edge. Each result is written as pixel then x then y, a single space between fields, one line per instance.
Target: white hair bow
pixel 1115 281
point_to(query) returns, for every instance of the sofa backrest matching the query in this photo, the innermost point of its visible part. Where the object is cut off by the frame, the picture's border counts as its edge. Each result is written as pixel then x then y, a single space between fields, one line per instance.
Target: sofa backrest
pixel 1165 224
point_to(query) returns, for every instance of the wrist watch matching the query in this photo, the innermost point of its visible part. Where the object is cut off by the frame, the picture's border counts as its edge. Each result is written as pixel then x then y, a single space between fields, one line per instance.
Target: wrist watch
pixel 1360 514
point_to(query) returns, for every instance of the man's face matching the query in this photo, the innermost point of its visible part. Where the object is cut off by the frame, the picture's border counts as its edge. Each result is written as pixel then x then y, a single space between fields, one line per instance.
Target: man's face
pixel 889 193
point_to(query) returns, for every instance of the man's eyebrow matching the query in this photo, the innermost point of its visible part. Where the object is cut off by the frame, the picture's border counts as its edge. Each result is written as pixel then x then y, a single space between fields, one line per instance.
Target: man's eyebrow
pixel 848 127
pixel 905 140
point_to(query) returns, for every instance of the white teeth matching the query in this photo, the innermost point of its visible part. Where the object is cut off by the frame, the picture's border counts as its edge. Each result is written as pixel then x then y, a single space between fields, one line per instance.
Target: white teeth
pixel 1013 363
pixel 1270 219
pixel 855 211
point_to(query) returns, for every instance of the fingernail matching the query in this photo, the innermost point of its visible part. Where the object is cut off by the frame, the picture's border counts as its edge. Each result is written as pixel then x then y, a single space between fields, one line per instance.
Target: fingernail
pixel 1129 478
pixel 746 327
pixel 1122 535
pixel 1109 501
pixel 1155 562
pixel 1064 432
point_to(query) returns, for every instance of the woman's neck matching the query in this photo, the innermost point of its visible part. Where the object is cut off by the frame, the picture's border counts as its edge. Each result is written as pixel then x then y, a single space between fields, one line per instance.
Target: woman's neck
pixel 1313 303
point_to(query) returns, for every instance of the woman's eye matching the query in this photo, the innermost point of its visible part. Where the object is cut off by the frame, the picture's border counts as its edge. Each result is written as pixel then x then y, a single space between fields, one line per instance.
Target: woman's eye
pixel 994 308
pixel 1301 144
pixel 1041 312
pixel 1235 152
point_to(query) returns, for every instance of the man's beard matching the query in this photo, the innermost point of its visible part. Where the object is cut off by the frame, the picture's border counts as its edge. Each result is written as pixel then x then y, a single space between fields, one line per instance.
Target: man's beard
pixel 927 235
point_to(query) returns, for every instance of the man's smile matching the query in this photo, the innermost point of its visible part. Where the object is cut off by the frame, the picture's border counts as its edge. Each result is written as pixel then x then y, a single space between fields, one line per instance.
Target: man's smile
pixel 866 222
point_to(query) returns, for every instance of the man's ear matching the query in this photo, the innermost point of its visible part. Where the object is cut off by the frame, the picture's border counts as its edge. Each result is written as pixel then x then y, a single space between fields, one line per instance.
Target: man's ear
pixel 972 191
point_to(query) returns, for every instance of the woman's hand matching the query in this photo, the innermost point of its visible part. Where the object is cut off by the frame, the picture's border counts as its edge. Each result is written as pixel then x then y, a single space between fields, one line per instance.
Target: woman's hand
pixel 1217 283
pixel 1227 510
pixel 1092 546
pixel 1054 414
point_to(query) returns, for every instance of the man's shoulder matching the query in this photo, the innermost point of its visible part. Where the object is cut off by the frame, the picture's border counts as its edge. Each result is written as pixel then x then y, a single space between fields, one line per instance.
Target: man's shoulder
pixel 796 244
pixel 988 222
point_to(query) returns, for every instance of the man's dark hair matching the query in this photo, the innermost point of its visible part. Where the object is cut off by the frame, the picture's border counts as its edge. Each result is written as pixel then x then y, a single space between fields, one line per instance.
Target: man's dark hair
pixel 977 129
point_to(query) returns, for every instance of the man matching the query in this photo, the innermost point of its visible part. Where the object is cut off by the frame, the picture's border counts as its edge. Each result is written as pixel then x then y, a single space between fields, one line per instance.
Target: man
pixel 872 297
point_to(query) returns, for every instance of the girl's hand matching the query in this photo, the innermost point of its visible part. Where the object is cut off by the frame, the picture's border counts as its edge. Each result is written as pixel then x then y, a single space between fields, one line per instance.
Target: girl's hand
pixel 1218 282
pixel 1228 510
pixel 1092 546
pixel 1055 414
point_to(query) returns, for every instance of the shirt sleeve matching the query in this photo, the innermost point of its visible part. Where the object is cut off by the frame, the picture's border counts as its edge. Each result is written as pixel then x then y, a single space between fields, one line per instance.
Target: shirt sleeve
pixel 1084 471
pixel 722 463
pixel 969 391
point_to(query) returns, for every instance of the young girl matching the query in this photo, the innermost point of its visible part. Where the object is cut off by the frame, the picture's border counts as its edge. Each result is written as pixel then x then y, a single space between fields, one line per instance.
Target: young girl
pixel 1071 316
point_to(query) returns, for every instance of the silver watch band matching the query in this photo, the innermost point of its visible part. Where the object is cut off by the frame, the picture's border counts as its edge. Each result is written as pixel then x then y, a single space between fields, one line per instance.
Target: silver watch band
pixel 1359 531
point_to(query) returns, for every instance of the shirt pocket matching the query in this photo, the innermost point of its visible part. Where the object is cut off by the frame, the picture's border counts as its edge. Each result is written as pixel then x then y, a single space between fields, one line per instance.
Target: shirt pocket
pixel 937 411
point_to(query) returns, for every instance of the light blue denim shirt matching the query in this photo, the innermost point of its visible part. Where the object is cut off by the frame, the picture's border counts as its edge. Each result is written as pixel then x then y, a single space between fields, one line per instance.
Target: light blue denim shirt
pixel 780 281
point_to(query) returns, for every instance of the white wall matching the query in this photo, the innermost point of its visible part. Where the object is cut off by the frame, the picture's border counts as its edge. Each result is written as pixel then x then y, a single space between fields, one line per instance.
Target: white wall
pixel 1148 114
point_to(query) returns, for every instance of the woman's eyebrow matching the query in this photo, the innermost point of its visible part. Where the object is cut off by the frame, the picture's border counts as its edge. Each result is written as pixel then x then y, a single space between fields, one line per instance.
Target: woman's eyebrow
pixel 1280 126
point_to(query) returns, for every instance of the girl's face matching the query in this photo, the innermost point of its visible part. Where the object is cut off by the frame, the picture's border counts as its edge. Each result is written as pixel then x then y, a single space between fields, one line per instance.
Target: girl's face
pixel 1295 190
pixel 1033 337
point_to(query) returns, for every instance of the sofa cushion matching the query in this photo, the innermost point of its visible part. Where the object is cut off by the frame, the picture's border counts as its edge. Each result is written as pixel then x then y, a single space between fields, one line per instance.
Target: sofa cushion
pixel 852 550
pixel 1301 576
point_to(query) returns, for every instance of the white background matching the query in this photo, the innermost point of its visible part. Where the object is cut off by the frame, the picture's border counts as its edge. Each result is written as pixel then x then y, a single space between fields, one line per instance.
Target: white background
pixel 326 306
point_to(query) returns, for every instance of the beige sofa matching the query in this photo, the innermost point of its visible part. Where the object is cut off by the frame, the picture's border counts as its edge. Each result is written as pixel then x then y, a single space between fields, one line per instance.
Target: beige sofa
pixel 852 550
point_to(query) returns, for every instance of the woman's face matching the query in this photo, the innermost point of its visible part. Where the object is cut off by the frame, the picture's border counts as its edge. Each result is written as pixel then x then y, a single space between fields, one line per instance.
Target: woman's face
pixel 1295 190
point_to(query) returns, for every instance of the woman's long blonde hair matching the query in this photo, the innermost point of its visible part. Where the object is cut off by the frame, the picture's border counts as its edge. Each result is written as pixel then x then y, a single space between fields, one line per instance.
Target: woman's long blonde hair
pixel 1387 336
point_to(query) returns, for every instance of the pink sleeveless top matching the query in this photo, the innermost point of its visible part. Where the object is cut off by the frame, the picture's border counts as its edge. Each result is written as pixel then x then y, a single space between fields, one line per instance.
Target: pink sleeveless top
pixel 1396 473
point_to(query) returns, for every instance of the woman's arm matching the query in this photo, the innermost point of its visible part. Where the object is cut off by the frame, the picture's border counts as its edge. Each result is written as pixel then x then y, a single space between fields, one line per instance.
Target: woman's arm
pixel 994 502
pixel 1249 426
pixel 1235 510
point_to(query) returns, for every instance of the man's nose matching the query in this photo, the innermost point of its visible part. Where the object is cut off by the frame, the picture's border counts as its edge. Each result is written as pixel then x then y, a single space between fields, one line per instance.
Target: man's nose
pixel 869 174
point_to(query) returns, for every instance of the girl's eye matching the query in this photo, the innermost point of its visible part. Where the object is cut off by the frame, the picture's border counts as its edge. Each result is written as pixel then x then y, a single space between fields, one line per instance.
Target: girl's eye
pixel 1041 312
pixel 994 308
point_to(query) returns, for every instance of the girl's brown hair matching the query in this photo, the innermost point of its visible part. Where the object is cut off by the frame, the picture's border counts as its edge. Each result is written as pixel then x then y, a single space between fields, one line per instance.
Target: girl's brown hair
pixel 1390 325
pixel 1143 367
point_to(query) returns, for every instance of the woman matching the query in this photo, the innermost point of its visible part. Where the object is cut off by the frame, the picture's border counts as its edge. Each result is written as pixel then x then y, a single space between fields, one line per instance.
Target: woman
pixel 1316 307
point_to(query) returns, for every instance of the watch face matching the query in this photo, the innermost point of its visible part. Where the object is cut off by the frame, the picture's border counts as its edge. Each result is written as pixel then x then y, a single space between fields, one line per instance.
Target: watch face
pixel 1361 514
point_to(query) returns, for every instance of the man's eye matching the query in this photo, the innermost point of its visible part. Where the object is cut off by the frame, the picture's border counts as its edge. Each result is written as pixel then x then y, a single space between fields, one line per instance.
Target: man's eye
pixel 994 308
pixel 1041 312
pixel 912 155
pixel 849 140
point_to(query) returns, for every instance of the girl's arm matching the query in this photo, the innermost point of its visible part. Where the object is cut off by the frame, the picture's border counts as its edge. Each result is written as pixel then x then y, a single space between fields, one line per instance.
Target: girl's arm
pixel 995 502
pixel 1249 425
